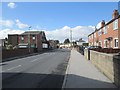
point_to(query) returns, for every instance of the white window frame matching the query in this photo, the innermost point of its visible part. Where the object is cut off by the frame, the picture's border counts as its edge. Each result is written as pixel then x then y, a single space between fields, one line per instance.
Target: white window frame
pixel 115 24
pixel 33 37
pixel 105 30
pixel 114 43
pixel 100 32
pixel 105 43
pixel 22 37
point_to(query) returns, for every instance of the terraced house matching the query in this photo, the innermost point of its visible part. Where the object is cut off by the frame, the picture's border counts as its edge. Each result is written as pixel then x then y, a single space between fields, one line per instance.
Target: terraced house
pixel 108 35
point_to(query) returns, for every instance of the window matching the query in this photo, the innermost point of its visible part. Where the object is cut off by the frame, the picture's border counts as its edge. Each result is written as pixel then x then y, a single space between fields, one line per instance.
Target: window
pixel 105 43
pixel 115 24
pixel 100 32
pixel 105 30
pixel 33 37
pixel 22 37
pixel 116 43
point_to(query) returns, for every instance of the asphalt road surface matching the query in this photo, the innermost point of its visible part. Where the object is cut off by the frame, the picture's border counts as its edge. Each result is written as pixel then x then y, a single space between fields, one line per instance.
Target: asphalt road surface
pixel 45 70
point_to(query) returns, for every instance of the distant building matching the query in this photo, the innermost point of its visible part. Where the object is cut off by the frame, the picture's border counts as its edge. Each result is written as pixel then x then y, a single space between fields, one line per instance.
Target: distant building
pixel 32 39
pixel 80 42
pixel 28 39
pixel 13 39
pixel 53 43
pixel 4 42
pixel 108 35
pixel 67 45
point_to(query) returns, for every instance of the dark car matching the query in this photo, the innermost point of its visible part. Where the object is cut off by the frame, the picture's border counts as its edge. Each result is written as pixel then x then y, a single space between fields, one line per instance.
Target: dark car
pixel 81 49
pixel 94 47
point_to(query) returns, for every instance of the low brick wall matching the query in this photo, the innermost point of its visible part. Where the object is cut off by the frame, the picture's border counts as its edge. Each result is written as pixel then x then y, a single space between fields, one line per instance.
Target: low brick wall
pixel 107 50
pixel 106 63
pixel 16 52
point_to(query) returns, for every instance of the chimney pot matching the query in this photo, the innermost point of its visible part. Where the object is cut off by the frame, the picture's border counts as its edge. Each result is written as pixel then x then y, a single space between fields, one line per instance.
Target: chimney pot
pixel 102 23
pixel 115 14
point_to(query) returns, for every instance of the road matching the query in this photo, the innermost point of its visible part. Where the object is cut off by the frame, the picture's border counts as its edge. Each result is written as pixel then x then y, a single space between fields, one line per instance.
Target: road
pixel 45 70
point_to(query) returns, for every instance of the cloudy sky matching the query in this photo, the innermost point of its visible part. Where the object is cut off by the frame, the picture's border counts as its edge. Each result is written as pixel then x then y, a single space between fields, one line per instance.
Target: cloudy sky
pixel 56 19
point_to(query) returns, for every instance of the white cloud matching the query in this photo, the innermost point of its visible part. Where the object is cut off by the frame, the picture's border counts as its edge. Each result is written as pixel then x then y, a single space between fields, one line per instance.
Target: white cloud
pixel 4 33
pixel 98 25
pixel 63 33
pixel 58 34
pixel 6 23
pixel 11 5
pixel 20 24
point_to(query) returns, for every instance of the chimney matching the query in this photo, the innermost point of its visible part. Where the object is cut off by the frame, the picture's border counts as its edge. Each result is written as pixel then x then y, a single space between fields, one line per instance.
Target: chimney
pixel 115 14
pixel 102 23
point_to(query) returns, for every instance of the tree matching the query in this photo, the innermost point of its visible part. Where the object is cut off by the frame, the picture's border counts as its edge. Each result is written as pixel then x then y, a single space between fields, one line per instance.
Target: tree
pixel 57 41
pixel 67 41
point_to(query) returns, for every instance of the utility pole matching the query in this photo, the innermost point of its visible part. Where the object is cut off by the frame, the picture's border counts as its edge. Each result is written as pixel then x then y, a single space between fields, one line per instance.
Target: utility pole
pixel 29 38
pixel 71 37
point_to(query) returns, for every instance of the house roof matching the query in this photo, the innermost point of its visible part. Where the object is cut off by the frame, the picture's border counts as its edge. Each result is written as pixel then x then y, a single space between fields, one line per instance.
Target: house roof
pixel 32 32
pixel 80 41
pixel 105 25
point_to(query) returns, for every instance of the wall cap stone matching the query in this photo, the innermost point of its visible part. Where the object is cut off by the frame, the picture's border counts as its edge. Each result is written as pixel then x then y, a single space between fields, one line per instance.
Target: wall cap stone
pixel 103 53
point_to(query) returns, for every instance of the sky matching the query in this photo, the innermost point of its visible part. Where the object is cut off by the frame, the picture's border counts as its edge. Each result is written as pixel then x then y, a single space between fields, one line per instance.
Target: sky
pixel 55 18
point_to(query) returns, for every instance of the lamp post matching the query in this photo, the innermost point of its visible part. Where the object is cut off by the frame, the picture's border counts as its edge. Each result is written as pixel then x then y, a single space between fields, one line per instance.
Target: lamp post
pixel 71 37
pixel 29 38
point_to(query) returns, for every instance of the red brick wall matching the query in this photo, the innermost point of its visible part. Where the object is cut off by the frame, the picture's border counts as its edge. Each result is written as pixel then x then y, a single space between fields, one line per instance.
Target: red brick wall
pixel 37 41
pixel 13 53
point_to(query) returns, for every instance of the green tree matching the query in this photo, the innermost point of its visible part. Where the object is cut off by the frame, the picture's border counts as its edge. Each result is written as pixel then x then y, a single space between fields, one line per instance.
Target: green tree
pixel 57 41
pixel 67 41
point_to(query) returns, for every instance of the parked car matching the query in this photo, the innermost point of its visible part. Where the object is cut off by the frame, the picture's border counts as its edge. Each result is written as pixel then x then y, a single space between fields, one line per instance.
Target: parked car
pixel 81 49
pixel 94 47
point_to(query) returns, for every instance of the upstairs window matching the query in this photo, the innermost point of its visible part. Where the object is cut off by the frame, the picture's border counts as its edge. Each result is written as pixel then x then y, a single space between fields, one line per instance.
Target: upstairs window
pixel 33 37
pixel 100 32
pixel 22 38
pixel 115 24
pixel 105 30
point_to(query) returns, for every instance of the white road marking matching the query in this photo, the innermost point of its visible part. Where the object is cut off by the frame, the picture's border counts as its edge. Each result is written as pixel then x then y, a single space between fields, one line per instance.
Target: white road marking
pixel 34 60
pixel 12 68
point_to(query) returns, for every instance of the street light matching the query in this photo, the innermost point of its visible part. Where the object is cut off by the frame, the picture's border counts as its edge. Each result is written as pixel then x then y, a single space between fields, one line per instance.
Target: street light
pixel 29 38
pixel 71 37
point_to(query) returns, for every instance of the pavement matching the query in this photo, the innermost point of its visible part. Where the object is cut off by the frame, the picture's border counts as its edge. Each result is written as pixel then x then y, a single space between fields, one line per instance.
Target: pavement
pixel 81 73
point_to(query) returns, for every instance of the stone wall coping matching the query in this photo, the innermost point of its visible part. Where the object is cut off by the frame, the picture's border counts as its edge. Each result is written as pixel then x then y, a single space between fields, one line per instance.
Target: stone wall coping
pixel 108 54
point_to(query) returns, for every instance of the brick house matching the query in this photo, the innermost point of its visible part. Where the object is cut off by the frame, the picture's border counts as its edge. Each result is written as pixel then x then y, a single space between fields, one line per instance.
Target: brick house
pixel 32 39
pixel 108 35
pixel 28 39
